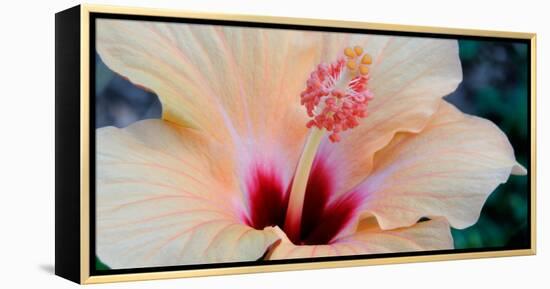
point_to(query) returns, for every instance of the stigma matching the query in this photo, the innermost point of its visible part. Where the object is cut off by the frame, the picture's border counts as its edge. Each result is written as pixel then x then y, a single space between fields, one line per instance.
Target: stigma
pixel 337 94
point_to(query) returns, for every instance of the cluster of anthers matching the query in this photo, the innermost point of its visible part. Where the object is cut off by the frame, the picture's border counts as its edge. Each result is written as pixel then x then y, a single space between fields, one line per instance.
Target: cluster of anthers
pixel 336 94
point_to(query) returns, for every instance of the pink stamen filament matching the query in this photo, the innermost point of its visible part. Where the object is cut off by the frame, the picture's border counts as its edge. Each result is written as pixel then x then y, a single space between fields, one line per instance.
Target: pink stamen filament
pixel 293 218
pixel 336 98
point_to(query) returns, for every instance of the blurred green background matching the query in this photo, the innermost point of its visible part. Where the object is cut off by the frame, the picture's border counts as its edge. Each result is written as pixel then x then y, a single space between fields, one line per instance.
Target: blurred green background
pixel 495 87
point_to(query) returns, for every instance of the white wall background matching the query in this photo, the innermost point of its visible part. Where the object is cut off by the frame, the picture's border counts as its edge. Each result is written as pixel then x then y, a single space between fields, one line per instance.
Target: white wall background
pixel 27 144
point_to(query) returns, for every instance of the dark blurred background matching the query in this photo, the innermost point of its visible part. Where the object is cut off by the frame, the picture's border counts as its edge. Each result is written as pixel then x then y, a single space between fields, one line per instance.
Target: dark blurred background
pixel 495 87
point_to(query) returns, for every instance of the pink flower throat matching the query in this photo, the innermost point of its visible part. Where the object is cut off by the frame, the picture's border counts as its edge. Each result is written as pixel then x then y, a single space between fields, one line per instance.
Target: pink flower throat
pixel 323 217
pixel 335 98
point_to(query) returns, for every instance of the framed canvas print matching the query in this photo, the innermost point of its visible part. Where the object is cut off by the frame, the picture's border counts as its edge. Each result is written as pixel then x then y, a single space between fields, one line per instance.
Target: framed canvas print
pixel 192 144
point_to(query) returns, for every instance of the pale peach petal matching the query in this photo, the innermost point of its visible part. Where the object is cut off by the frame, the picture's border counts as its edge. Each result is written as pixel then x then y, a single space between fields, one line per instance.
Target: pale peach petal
pixel 238 84
pixel 370 239
pixel 243 84
pixel 449 169
pixel 408 77
pixel 167 195
pixel 519 170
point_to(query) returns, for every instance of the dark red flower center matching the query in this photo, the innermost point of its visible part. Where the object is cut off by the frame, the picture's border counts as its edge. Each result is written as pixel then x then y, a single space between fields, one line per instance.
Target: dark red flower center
pixel 323 217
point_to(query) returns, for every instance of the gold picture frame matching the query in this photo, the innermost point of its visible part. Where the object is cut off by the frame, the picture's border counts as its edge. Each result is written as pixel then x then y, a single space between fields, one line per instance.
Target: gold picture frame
pixel 73 53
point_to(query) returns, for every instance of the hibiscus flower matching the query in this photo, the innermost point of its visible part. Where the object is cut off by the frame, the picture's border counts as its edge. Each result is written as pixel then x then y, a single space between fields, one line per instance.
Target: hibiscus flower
pixel 279 144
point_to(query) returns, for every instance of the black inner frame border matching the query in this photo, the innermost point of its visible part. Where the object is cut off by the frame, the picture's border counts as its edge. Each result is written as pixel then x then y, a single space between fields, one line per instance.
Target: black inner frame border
pixel 92 94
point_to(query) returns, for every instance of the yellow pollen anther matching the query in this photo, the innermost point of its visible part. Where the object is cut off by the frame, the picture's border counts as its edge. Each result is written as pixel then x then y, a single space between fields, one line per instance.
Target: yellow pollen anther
pixel 349 52
pixel 363 69
pixel 358 50
pixel 367 59
pixel 351 65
